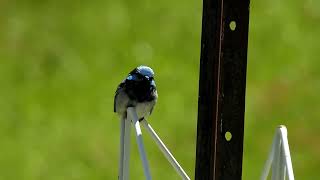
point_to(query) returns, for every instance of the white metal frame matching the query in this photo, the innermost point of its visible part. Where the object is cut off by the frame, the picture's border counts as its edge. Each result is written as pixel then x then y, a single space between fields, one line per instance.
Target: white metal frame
pixel 279 157
pixel 125 146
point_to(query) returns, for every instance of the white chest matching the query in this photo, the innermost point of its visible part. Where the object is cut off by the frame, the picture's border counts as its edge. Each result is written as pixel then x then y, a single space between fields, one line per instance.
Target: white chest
pixel 143 109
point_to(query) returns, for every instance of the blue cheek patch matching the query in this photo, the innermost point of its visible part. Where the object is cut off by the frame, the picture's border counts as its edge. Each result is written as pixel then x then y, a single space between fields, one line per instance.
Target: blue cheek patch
pixel 153 83
pixel 133 78
pixel 130 77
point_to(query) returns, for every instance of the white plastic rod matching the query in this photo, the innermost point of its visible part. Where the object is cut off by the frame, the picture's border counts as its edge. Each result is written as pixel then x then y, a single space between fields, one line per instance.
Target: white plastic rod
pixel 282 164
pixel 268 164
pixel 122 127
pixel 286 152
pixel 126 158
pixel 276 161
pixel 279 157
pixel 165 150
pixel 135 120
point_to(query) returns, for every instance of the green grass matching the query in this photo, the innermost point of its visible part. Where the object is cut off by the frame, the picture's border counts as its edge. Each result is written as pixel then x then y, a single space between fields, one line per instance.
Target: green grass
pixel 60 63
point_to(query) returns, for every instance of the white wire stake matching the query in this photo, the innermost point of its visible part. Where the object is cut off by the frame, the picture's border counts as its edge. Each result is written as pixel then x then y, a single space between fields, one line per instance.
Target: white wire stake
pixel 126 158
pixel 286 152
pixel 276 174
pixel 165 150
pixel 268 164
pixel 134 116
pixel 122 127
pixel 279 157
pixel 282 168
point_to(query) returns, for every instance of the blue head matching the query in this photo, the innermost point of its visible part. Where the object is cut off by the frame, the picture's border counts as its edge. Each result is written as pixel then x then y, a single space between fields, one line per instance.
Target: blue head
pixel 145 71
pixel 140 83
pixel 142 74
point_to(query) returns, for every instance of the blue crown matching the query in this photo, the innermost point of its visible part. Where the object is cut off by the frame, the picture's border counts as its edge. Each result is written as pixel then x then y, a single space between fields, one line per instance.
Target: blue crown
pixel 145 71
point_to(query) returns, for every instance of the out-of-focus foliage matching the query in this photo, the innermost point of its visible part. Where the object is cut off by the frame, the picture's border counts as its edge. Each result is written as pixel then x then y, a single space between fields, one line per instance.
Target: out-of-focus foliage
pixel 60 62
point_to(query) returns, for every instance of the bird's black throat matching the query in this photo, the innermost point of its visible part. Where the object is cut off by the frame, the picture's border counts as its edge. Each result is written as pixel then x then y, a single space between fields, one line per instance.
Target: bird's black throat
pixel 140 91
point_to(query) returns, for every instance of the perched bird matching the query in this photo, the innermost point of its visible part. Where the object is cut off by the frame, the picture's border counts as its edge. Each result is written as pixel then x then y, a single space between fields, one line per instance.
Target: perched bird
pixel 137 90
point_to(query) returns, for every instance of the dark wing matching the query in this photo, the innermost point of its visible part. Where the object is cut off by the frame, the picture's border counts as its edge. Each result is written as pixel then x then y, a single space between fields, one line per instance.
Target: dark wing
pixel 154 98
pixel 151 110
pixel 121 85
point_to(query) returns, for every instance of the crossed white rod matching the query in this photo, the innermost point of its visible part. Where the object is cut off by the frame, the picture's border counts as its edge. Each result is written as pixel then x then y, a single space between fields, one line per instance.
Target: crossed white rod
pixel 286 151
pixel 126 150
pixel 122 129
pixel 267 166
pixel 132 112
pixel 281 136
pixel 125 147
pixel 277 170
pixel 165 150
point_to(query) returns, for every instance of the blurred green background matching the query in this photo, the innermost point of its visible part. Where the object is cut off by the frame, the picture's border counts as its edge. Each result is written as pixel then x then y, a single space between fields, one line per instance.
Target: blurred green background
pixel 60 63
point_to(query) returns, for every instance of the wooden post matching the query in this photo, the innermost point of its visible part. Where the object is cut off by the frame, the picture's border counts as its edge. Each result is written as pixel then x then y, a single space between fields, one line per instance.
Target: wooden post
pixel 222 85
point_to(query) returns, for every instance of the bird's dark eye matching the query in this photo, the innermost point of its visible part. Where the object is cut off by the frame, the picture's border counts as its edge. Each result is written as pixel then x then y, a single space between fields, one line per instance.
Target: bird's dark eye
pixel 139 77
